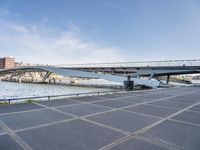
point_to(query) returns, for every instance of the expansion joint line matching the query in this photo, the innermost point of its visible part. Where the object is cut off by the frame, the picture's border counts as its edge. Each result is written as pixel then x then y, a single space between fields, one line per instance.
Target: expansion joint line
pixel 85 119
pixel 10 132
pixel 134 134
pixel 103 125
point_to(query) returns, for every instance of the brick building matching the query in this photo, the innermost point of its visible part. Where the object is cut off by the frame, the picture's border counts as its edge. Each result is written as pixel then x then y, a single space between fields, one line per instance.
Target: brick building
pixel 7 62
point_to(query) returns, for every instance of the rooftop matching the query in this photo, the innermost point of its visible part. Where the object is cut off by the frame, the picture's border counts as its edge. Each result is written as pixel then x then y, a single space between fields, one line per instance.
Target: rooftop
pixel 165 119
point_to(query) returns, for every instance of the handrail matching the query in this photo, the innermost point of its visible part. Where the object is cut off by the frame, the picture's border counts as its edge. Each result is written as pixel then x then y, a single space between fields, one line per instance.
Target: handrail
pixel 136 64
pixel 51 96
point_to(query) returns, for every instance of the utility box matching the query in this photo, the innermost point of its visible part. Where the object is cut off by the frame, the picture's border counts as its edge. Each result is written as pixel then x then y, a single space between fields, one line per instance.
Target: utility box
pixel 128 85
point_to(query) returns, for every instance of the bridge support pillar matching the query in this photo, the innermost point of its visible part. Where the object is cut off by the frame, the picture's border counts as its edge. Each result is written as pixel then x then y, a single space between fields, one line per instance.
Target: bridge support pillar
pixel 54 81
pixel 151 76
pixel 47 75
pixel 168 77
pixel 20 80
pixel 128 84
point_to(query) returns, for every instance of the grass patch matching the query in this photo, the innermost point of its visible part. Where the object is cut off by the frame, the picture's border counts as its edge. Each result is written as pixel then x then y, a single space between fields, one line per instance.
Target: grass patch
pixel 3 102
pixel 29 101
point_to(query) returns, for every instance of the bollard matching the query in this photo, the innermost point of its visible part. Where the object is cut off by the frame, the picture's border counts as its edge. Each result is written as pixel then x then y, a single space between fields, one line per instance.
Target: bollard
pixel 128 85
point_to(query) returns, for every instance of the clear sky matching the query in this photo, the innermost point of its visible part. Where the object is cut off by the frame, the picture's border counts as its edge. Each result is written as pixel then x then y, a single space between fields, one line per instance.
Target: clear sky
pixel 86 31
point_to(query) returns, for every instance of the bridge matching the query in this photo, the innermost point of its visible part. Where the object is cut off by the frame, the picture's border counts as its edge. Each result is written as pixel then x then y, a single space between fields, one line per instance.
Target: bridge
pixel 18 71
pixel 117 72
pixel 150 69
pixel 142 68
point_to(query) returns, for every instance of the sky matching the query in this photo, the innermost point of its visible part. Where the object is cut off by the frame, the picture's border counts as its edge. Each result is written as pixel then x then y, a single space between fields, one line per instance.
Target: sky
pixel 95 31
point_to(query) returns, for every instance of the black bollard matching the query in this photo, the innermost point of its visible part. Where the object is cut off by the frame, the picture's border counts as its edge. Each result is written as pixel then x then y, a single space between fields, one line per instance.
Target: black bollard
pixel 128 85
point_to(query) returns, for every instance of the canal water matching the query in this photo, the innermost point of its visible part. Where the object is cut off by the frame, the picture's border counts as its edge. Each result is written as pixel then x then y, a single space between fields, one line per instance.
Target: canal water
pixel 14 89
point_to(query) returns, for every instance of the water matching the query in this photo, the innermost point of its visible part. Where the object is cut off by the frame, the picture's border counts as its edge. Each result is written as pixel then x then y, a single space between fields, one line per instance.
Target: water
pixel 14 89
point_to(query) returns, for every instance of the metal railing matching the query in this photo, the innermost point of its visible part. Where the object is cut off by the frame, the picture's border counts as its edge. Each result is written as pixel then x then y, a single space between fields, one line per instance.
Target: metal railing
pixel 49 97
pixel 195 62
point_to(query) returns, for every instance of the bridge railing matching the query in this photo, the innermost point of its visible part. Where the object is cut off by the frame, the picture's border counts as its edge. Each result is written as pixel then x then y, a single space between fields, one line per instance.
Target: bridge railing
pixel 195 62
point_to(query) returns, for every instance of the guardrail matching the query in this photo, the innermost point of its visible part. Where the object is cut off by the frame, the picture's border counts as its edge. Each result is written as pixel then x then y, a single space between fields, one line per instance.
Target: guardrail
pixel 195 62
pixel 49 97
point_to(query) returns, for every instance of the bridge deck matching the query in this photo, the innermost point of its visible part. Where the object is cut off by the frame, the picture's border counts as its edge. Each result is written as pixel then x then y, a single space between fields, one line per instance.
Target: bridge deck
pixel 149 120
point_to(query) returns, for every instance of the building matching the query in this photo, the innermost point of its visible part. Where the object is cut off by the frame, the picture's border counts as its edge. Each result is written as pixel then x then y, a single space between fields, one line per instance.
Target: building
pixel 7 62
pixel 20 64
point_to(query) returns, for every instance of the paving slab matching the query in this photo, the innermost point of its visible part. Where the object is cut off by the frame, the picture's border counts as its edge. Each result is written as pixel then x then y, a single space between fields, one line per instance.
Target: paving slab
pixel 114 103
pixel 7 143
pixel 61 102
pixel 88 98
pixel 125 121
pixel 194 95
pixel 186 99
pixel 171 104
pixel 133 99
pixel 178 135
pixel 73 135
pixel 195 108
pixel 113 96
pixel 29 119
pixel 7 108
pixel 132 94
pixel 174 91
pixel 187 116
pixel 152 110
pixel 1 130
pixel 135 144
pixel 141 98
pixel 152 96
pixel 84 109
pixel 167 94
pixel 144 98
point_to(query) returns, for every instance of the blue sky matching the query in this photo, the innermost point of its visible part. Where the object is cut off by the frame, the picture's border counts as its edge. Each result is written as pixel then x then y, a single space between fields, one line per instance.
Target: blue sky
pixel 87 31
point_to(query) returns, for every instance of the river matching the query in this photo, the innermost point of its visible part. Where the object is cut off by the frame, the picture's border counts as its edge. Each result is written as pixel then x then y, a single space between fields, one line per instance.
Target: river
pixel 14 89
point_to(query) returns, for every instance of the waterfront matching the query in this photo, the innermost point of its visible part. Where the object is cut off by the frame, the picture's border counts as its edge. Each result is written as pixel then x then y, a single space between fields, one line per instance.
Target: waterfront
pixel 161 119
pixel 14 89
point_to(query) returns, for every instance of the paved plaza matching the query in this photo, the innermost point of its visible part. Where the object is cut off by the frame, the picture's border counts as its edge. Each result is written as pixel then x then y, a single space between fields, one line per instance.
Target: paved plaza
pixel 161 119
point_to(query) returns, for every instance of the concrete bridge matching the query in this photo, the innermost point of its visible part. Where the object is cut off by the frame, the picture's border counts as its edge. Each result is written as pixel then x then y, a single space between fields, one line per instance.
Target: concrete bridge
pixel 143 68
pixel 117 72
pixel 150 69
pixel 77 74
